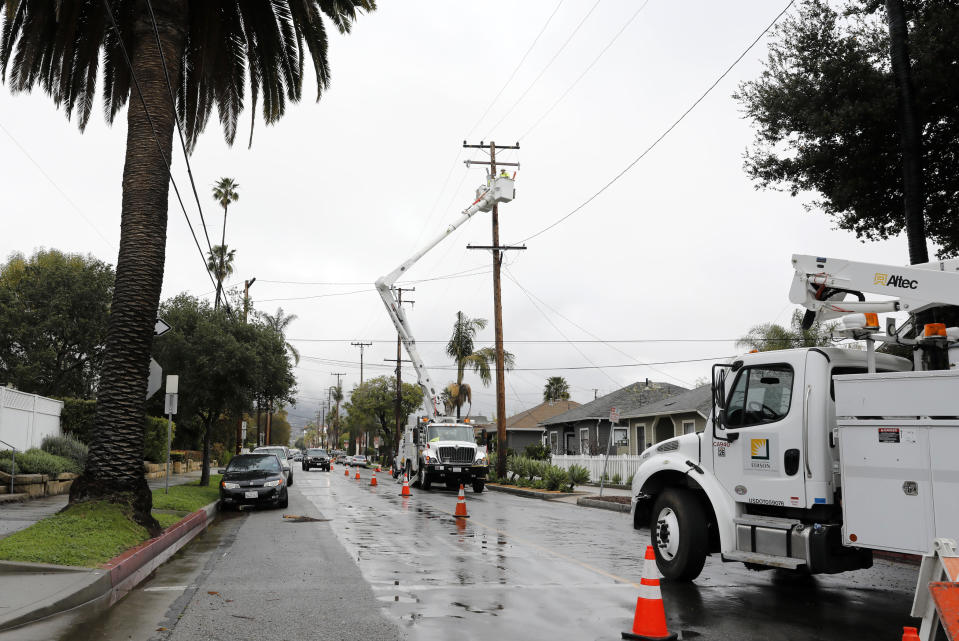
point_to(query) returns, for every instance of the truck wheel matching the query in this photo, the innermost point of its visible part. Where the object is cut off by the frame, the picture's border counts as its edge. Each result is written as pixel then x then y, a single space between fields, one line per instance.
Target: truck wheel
pixel 678 532
pixel 479 486
pixel 423 477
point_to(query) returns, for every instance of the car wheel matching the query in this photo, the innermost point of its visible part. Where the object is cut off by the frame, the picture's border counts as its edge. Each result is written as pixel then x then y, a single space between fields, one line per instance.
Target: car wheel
pixel 678 532
pixel 284 501
pixel 289 480
pixel 479 486
pixel 226 507
pixel 306 468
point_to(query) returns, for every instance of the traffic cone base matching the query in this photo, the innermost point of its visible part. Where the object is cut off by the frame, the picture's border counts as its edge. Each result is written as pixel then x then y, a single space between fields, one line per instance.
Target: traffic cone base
pixel 357 477
pixel 373 480
pixel 910 634
pixel 649 622
pixel 406 486
pixel 346 472
pixel 460 512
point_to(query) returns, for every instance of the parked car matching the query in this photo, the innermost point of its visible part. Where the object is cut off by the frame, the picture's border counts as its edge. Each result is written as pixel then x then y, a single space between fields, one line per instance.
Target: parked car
pixel 342 459
pixel 298 456
pixel 316 457
pixel 254 479
pixel 360 461
pixel 282 453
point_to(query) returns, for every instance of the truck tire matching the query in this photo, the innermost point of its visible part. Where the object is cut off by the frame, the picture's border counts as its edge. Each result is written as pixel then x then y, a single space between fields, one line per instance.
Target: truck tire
pixel 678 531
pixel 478 486
pixel 423 477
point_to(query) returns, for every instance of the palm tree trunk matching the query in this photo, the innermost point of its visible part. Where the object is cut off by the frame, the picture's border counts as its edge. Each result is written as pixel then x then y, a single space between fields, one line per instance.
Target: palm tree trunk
pixel 219 275
pixel 912 188
pixel 114 469
pixel 205 469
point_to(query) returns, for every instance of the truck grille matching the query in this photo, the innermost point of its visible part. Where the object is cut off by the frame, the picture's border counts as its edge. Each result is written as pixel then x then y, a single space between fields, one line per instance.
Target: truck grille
pixel 457 454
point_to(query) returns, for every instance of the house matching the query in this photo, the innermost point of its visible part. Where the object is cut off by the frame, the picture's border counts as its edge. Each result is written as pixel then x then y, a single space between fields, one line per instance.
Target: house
pixel 524 428
pixel 683 413
pixel 585 429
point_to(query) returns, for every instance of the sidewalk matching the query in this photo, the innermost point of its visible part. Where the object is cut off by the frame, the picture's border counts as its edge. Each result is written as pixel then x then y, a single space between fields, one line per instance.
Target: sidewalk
pixel 17 516
pixel 580 491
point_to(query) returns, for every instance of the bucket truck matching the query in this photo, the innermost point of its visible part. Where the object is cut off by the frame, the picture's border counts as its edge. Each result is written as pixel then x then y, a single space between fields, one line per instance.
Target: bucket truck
pixel 812 458
pixel 434 447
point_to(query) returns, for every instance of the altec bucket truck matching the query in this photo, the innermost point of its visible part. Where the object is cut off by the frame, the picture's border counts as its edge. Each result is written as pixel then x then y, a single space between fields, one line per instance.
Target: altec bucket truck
pixel 434 447
pixel 813 458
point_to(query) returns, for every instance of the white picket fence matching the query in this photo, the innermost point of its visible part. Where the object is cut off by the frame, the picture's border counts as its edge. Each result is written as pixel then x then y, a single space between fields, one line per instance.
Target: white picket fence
pixel 623 464
pixel 26 418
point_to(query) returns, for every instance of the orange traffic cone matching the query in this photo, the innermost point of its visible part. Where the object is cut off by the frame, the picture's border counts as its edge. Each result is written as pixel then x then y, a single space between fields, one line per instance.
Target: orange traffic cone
pixel 649 623
pixel 460 512
pixel 406 486
pixel 910 634
pixel 331 467
pixel 377 469
pixel 357 477
pixel 373 480
pixel 346 472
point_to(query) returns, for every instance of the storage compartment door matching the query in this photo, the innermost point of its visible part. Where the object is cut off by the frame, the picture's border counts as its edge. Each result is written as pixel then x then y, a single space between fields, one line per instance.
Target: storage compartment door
pixel 944 455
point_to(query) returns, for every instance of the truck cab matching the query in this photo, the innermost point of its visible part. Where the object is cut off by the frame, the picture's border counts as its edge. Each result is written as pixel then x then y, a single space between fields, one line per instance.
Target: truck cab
pixel 442 450
pixel 761 484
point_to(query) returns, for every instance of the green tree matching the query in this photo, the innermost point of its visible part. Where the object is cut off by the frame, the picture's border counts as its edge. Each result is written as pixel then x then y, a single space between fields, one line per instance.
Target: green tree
pixel 54 310
pixel 556 389
pixel 219 261
pixel 767 337
pixel 279 323
pixel 460 348
pixel 374 402
pixel 224 192
pixel 194 56
pixel 827 120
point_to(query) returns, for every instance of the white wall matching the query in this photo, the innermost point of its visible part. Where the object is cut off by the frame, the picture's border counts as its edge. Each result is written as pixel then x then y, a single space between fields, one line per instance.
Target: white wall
pixel 623 464
pixel 26 418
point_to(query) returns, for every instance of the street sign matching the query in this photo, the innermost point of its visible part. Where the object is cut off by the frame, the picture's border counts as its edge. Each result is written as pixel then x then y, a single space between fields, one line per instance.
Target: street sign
pixel 170 403
pixel 155 380
pixel 613 415
pixel 243 432
pixel 161 327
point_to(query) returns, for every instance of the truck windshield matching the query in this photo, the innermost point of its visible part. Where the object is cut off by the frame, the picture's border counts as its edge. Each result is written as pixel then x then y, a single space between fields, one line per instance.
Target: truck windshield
pixel 450 433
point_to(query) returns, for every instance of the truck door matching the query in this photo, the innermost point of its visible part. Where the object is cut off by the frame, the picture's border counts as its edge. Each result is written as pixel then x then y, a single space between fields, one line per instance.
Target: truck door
pixel 763 422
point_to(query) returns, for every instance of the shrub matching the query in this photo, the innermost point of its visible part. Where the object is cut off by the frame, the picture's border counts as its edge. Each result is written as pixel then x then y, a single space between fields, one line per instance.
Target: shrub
pixel 155 439
pixel 177 456
pixel 539 484
pixel 224 458
pixel 522 482
pixel 518 466
pixel 556 478
pixel 76 418
pixel 537 451
pixel 578 475
pixel 617 479
pixel 38 462
pixel 536 468
pixel 67 446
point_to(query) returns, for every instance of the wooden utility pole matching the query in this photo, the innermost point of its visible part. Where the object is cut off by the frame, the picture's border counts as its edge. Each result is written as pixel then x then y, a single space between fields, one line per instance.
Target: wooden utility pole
pixel 398 405
pixel 497 307
pixel 247 284
pixel 361 345
pixel 912 188
pixel 239 421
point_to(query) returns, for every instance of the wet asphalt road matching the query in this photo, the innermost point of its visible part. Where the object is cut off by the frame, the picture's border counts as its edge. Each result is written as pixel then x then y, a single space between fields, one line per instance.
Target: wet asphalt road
pixel 386 567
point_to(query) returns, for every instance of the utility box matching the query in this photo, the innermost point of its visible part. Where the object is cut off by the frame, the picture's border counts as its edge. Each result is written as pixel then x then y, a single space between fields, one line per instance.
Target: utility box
pixel 899 459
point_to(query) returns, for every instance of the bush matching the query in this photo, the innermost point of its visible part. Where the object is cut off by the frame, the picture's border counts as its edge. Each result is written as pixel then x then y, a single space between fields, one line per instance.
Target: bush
pixel 538 451
pixel 522 482
pixel 38 462
pixel 539 484
pixel 76 418
pixel 617 479
pixel 578 475
pixel 556 478
pixel 177 456
pixel 537 468
pixel 155 439
pixel 67 446
pixel 518 466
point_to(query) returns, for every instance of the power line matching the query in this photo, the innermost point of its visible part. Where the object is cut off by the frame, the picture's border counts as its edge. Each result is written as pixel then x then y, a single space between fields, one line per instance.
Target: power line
pixel 586 70
pixel 465 272
pixel 668 130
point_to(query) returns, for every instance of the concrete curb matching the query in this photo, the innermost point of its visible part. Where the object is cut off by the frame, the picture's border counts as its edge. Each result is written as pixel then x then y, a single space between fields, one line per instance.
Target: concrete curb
pixel 586 501
pixel 546 495
pixel 115 578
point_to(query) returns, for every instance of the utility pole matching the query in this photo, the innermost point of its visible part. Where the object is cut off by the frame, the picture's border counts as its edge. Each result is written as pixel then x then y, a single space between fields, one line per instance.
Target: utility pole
pixel 595 392
pixel 497 305
pixel 247 284
pixel 239 421
pixel 398 405
pixel 361 345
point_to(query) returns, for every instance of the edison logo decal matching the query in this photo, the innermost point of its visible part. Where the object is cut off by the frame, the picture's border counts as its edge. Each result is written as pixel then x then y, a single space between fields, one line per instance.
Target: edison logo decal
pixel 759 449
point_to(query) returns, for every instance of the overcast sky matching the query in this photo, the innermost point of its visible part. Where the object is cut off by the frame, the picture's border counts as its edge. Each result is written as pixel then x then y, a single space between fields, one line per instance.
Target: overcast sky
pixel 681 250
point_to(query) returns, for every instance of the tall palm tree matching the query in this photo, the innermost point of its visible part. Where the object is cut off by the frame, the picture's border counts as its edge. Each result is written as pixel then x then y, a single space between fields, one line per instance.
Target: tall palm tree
pixel 767 337
pixel 219 261
pixel 279 323
pixel 557 389
pixel 224 192
pixel 210 52
pixel 460 349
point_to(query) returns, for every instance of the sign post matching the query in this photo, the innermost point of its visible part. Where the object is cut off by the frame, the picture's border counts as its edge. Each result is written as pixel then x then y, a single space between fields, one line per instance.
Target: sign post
pixel 613 420
pixel 170 403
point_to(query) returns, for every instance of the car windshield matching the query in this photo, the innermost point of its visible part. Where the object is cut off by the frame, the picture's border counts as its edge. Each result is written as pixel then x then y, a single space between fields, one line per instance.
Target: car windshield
pixel 249 462
pixel 450 433
pixel 360 457
pixel 316 452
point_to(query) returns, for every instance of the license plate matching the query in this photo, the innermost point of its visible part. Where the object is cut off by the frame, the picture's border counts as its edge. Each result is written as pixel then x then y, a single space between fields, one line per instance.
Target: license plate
pixel 251 495
pixel 457 469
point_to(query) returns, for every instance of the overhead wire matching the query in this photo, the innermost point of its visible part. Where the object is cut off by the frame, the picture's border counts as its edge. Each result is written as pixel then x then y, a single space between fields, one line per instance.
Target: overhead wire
pixel 666 132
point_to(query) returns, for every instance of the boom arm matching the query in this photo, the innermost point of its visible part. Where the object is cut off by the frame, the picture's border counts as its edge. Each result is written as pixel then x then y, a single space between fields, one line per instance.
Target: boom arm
pixel 500 190
pixel 821 284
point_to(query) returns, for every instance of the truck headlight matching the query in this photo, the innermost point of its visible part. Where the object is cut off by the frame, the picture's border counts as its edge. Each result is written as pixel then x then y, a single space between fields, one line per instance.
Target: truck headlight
pixel 230 486
pixel 480 459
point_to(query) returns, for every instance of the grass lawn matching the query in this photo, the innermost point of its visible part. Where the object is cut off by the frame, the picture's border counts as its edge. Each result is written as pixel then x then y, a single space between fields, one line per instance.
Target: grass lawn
pixel 189 497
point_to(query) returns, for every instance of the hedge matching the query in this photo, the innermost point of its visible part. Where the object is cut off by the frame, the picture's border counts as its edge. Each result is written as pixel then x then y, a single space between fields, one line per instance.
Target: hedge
pixel 76 419
pixel 37 462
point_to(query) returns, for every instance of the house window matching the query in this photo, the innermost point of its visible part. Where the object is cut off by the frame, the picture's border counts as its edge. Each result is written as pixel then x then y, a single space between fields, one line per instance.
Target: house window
pixel 620 436
pixel 552 443
pixel 584 440
pixel 689 427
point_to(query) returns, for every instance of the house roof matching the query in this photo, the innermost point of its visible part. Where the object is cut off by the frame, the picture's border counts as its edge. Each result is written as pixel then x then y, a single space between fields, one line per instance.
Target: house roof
pixel 531 419
pixel 695 400
pixel 628 401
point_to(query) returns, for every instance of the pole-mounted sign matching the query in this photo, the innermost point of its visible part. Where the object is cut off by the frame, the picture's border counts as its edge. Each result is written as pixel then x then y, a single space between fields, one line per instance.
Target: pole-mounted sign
pixel 169 408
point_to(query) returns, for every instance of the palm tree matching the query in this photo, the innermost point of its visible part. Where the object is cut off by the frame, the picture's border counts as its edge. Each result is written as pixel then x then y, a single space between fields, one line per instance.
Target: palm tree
pixel 279 322
pixel 210 52
pixel 219 261
pixel 460 349
pixel 557 389
pixel 767 337
pixel 224 192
